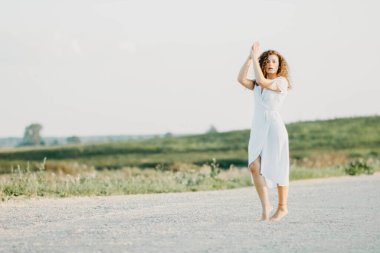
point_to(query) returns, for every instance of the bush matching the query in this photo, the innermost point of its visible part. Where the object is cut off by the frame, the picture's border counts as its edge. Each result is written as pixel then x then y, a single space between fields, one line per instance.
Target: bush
pixel 215 170
pixel 358 167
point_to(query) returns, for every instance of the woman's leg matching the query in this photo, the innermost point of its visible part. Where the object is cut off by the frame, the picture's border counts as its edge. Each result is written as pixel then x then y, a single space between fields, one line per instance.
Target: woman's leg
pixel 282 209
pixel 261 187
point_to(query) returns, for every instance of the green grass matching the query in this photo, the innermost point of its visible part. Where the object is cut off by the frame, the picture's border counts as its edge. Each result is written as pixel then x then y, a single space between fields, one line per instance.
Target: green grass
pixel 123 181
pixel 185 177
pixel 355 137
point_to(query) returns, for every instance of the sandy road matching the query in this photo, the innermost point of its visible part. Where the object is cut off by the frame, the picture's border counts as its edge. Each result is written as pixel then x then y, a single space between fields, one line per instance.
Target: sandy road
pixel 325 215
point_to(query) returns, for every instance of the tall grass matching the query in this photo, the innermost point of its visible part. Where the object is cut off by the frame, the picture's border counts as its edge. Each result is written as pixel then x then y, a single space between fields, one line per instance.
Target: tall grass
pixel 181 177
pixel 52 181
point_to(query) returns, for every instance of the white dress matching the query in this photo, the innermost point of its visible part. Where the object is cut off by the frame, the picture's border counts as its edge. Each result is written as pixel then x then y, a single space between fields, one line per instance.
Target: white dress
pixel 268 136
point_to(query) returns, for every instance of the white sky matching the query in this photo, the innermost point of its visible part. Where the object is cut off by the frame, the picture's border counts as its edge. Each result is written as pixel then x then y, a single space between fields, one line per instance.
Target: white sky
pixel 146 67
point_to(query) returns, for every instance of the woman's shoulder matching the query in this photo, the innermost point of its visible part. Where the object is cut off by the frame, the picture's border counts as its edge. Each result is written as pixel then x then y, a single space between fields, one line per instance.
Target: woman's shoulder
pixel 283 83
pixel 282 78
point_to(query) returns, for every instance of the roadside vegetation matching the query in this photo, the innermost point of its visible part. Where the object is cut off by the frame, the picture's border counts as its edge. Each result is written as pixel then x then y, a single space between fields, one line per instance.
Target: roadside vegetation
pixel 345 146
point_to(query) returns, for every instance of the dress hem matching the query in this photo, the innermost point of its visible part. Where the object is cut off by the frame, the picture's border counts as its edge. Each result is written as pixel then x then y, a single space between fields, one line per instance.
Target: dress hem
pixel 266 183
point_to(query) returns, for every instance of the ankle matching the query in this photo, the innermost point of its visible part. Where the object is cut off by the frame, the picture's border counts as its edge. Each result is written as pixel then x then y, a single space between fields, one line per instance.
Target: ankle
pixel 266 206
pixel 282 206
pixel 267 209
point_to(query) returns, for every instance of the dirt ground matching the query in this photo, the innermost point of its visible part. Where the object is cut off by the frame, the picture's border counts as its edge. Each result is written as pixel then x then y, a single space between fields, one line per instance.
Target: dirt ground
pixel 325 215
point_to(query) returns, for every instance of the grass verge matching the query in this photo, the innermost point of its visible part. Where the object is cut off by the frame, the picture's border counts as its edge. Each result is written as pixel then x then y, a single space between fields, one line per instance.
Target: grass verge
pixel 86 181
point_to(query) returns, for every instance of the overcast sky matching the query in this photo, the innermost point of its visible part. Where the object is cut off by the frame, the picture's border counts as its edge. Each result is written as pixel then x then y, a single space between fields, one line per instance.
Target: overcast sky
pixel 150 67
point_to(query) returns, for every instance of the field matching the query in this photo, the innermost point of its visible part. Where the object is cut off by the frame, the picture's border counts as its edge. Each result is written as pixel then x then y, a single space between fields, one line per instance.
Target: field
pixel 191 163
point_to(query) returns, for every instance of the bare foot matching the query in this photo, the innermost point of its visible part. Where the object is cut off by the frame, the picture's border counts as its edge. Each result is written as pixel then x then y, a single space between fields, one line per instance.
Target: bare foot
pixel 280 213
pixel 266 212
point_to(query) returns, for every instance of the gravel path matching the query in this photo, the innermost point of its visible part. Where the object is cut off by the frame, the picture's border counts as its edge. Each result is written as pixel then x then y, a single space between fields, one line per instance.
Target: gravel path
pixel 325 215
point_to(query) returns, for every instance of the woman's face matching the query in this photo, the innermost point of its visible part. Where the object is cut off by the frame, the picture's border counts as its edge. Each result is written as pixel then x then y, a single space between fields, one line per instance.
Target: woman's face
pixel 272 64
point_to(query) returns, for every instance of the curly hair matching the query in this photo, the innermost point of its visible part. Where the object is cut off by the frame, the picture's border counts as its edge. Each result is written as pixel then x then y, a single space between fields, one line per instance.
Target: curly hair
pixel 283 68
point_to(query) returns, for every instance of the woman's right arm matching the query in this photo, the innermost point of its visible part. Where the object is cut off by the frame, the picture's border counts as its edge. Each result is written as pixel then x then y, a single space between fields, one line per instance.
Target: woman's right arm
pixel 242 78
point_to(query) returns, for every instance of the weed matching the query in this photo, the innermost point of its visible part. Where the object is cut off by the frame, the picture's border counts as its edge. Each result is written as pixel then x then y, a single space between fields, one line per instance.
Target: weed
pixel 215 170
pixel 357 167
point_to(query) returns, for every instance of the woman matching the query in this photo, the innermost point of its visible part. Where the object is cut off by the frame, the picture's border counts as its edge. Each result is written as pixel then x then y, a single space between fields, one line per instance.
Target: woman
pixel 268 148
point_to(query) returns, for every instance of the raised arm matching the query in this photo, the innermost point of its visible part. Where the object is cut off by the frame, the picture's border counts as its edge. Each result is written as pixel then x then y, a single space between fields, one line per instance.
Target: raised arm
pixel 260 79
pixel 242 78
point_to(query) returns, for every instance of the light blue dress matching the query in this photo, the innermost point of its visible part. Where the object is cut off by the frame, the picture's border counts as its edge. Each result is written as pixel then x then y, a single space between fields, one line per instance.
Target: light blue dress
pixel 268 136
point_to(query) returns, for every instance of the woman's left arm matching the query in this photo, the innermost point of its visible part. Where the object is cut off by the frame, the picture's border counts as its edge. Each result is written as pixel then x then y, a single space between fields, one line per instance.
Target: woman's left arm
pixel 260 79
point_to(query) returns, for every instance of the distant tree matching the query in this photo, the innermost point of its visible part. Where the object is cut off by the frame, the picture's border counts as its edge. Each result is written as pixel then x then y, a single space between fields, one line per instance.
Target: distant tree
pixel 168 135
pixel 212 130
pixel 73 140
pixel 32 136
pixel 55 142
